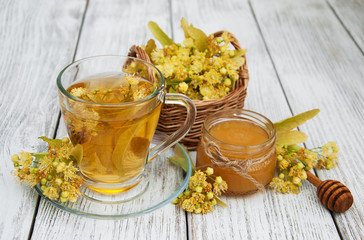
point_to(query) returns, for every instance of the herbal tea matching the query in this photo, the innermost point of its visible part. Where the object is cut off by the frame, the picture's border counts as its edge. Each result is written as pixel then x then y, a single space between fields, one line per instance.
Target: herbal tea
pixel 115 138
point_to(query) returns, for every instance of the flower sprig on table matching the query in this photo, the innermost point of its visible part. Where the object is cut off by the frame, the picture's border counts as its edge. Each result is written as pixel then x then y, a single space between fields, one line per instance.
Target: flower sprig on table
pixel 201 195
pixel 203 191
pixel 206 67
pixel 293 161
pixel 55 170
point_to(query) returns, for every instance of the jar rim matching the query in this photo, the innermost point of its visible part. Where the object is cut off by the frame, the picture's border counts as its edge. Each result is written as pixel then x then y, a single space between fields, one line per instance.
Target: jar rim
pixel 227 114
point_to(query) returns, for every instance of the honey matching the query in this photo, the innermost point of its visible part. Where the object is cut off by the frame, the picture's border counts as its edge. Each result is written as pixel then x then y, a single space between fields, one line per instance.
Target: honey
pixel 238 132
pixel 245 136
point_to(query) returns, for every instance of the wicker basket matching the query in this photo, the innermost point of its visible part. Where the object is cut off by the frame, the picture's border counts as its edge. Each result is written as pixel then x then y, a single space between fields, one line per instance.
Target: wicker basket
pixel 172 116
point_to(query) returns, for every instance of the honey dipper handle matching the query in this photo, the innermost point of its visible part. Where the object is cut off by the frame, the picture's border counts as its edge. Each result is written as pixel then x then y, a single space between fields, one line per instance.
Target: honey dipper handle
pixel 313 179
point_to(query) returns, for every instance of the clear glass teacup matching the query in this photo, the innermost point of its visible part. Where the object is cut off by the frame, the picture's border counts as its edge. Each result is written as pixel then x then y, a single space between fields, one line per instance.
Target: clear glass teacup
pixel 115 134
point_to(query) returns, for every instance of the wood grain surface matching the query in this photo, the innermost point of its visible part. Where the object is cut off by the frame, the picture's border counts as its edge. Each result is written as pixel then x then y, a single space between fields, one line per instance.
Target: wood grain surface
pixel 350 14
pixel 319 67
pixel 269 211
pixel 34 36
pixel 301 55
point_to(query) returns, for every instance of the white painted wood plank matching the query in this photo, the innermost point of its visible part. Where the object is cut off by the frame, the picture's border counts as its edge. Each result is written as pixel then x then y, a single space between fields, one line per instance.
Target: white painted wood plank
pixel 111 28
pixel 34 36
pixel 351 13
pixel 259 216
pixel 321 67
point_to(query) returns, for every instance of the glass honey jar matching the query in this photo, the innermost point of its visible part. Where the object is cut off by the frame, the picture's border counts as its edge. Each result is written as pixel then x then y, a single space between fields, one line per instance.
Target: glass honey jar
pixel 240 146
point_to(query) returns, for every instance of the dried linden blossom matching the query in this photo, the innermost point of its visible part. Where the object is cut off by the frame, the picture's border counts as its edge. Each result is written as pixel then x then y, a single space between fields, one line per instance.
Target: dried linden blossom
pixel 55 170
pixel 201 195
pixel 294 161
pixel 204 68
pixel 131 91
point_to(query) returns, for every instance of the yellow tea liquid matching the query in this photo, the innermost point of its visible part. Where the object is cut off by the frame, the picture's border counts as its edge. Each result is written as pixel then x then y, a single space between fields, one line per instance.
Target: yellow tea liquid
pixel 233 133
pixel 115 139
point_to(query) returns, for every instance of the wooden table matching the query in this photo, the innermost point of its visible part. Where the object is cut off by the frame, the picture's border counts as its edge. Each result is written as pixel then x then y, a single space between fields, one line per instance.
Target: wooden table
pixel 301 55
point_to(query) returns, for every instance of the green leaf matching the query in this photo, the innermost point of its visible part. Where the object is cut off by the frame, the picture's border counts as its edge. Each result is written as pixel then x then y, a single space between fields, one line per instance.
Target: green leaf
pixel 77 153
pixel 290 137
pixel 158 33
pixel 198 36
pixel 220 202
pixel 180 161
pixel 295 121
pixel 40 155
pixel 239 53
pixel 52 142
pixel 184 25
pixel 150 47
pixel 180 158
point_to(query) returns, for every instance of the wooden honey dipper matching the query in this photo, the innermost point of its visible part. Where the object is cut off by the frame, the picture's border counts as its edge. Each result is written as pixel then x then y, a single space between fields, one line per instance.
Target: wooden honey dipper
pixel 333 194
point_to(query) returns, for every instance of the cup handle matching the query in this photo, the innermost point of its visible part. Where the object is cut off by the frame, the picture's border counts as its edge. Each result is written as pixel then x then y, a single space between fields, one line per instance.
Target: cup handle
pixel 180 99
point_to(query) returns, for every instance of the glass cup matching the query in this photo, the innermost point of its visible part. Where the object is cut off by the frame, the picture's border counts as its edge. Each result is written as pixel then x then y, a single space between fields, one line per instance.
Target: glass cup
pixel 115 137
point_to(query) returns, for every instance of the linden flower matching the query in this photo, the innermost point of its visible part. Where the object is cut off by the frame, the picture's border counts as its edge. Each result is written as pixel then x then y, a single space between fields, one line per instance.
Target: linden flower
pixel 283 164
pixel 70 171
pixel 209 171
pixel 204 73
pixel 278 185
pixel 296 172
pixel 51 193
pixel 25 159
pixel 132 80
pixel 220 187
pixel 167 69
pixel 201 195
pixel 83 123
pixel 329 156
pixel 308 158
pixel 54 170
pixel 293 188
pixel 79 92
pixel 206 207
pixel 294 161
pixel 188 206
pixel 45 164
pixel 197 197
pixel 183 87
pixel 197 180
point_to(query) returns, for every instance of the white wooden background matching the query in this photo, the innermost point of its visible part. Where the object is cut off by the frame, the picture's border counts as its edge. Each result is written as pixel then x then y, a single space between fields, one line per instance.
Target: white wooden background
pixel 301 55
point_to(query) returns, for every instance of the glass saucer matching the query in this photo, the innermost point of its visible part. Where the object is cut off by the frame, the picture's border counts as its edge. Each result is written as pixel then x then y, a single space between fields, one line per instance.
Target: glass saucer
pixel 162 182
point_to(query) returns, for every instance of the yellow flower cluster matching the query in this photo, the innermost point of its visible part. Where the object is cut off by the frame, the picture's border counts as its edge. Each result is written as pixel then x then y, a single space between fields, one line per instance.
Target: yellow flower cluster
pixel 83 119
pixel 294 161
pixel 200 75
pixel 54 170
pixel 133 90
pixel 201 195
pixel 329 156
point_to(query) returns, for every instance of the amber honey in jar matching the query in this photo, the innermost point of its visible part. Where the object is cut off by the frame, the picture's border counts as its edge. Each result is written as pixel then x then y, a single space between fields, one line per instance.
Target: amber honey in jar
pixel 241 135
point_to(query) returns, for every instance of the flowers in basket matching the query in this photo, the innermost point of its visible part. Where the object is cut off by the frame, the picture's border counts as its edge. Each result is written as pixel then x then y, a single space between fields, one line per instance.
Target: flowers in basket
pixel 203 68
